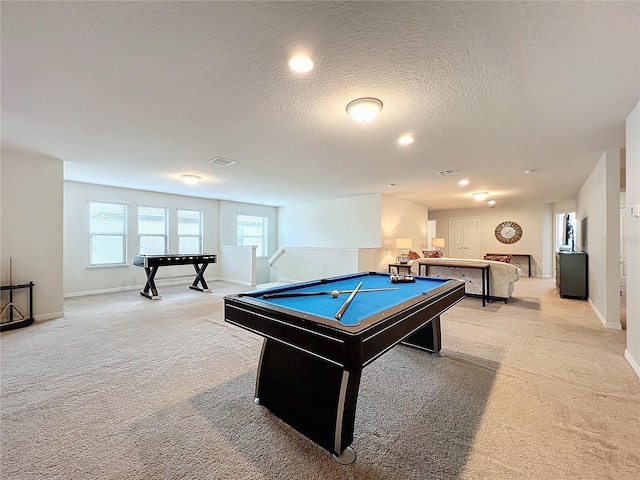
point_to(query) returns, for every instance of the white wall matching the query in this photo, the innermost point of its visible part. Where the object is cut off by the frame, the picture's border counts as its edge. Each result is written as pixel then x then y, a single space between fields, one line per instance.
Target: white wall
pixel 239 264
pixel 632 238
pixel 79 278
pixel 401 218
pixel 300 264
pixel 31 212
pixel 336 237
pixel 343 223
pixel 598 211
pixel 536 221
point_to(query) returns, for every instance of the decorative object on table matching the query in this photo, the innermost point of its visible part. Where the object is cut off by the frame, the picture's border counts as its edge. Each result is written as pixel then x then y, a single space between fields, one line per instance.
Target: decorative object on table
pixel 432 253
pixel 413 255
pixel 403 243
pixel 569 233
pixel 437 242
pixel 508 232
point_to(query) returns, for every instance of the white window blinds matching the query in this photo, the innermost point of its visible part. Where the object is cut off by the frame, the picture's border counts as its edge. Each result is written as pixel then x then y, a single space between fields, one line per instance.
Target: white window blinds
pixel 107 233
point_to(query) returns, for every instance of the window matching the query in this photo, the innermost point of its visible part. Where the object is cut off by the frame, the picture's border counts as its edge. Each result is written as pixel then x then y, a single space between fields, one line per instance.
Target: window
pixel 189 231
pixel 107 234
pixel 253 230
pixel 153 230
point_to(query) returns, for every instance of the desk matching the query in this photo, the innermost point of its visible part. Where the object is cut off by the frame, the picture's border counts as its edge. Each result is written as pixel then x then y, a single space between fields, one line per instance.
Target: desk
pixel 485 293
pixel 400 267
pixel 152 262
pixel 310 366
pixel 528 270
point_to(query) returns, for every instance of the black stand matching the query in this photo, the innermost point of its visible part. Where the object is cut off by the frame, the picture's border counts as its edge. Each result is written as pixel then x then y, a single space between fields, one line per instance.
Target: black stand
pixel 152 262
pixel 23 321
pixel 317 397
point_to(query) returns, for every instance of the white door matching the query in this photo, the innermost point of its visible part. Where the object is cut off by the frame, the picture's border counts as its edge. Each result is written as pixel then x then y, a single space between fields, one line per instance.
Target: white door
pixel 623 252
pixel 463 237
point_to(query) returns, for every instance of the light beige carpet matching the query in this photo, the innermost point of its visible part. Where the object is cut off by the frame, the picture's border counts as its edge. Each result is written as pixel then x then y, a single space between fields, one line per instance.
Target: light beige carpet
pixel 128 388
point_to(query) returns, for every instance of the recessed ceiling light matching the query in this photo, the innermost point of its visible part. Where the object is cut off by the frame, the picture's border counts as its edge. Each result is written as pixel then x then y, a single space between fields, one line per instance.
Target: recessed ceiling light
pixel 405 139
pixel 364 109
pixel 480 195
pixel 491 202
pixel 391 185
pixel 463 182
pixel 301 64
pixel 527 172
pixel 190 179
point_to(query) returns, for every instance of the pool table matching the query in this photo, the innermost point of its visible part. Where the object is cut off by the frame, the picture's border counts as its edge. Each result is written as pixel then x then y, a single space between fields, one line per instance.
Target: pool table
pixel 310 366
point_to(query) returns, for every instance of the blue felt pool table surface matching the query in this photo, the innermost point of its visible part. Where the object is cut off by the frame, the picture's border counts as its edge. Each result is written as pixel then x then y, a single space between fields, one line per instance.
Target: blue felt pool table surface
pixel 363 305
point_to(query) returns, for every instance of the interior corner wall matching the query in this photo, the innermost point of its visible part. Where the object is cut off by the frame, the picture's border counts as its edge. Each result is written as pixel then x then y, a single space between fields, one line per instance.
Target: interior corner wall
pixel 597 234
pixel 632 239
pixel 32 233
pixel 536 221
pixel 352 222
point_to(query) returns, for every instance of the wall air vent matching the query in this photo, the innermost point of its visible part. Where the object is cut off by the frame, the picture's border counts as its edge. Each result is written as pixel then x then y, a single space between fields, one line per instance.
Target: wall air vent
pixel 223 162
pixel 451 171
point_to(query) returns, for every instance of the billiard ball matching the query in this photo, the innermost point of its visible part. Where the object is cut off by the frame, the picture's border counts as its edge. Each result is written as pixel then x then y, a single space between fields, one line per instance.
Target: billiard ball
pixel 335 293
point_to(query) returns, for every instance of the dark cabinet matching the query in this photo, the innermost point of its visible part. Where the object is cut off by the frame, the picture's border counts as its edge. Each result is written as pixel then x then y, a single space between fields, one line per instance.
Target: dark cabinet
pixel 572 274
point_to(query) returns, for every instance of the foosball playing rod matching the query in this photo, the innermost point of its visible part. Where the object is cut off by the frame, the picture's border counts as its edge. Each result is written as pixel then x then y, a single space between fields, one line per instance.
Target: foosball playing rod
pixel 323 292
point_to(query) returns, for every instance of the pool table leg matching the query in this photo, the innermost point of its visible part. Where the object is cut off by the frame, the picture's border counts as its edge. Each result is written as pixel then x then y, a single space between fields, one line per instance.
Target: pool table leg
pixel 315 397
pixel 428 338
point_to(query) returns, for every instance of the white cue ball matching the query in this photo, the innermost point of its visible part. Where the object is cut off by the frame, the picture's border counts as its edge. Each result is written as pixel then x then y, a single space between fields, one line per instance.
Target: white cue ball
pixel 335 293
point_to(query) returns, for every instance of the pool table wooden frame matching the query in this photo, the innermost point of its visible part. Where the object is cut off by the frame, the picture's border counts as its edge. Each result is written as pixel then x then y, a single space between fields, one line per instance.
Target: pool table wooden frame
pixel 310 367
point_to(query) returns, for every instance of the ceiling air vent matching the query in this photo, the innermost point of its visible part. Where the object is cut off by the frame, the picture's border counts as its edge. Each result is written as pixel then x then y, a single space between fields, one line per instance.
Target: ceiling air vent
pixel 451 171
pixel 223 162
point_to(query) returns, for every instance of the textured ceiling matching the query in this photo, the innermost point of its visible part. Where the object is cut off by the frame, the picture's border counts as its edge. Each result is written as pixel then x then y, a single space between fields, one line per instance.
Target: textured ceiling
pixel 135 94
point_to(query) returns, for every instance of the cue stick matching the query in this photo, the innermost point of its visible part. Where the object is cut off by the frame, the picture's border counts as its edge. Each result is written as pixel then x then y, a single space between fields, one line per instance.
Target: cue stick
pixel 344 306
pixel 323 292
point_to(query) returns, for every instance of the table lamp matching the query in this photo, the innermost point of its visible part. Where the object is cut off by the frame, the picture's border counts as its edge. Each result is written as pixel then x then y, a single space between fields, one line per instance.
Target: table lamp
pixel 403 243
pixel 437 242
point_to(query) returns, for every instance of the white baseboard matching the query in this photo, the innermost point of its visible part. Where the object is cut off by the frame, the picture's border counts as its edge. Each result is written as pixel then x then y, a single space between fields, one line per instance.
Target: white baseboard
pixel 164 283
pixel 102 290
pixel 632 362
pixel 237 282
pixel 611 325
pixel 48 316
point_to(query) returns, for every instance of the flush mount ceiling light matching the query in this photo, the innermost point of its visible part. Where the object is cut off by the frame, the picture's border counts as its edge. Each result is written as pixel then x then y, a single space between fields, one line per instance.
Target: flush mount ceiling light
pixel 364 109
pixel 480 195
pixel 463 182
pixel 301 64
pixel 190 179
